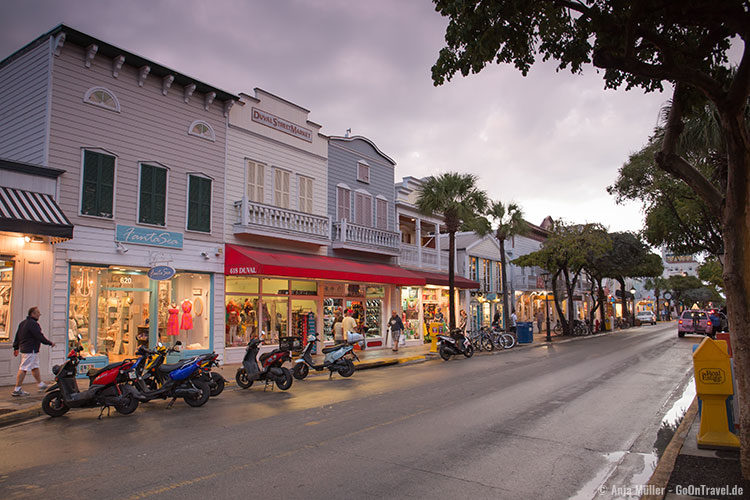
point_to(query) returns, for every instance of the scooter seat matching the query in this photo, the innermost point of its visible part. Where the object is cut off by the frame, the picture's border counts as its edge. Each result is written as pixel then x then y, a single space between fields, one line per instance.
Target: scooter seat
pixel 93 372
pixel 336 347
pixel 170 368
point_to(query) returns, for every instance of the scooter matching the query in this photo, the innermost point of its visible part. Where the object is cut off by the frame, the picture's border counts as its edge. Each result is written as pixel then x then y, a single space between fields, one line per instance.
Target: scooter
pixel 269 369
pixel 335 358
pixel 215 381
pixel 454 345
pixel 106 388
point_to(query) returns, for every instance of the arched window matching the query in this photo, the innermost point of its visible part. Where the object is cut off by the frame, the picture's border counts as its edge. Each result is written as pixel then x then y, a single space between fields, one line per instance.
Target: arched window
pixel 99 96
pixel 202 129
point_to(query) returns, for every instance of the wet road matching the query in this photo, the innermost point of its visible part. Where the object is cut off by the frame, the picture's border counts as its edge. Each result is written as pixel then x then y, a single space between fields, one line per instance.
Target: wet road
pixel 563 421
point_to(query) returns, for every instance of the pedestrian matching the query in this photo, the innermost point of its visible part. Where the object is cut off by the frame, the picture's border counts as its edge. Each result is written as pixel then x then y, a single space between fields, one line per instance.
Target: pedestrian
pixel 462 321
pixel 349 324
pixel 397 327
pixel 539 318
pixel 29 338
pixel 496 320
pixel 338 329
pixel 439 316
pixel 513 320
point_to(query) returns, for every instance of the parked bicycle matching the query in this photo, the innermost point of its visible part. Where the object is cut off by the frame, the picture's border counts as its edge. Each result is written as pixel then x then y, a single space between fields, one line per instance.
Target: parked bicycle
pixel 481 339
pixel 502 339
pixel 580 328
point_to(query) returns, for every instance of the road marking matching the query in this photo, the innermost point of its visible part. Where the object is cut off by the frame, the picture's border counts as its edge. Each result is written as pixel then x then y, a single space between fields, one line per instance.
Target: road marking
pixel 284 454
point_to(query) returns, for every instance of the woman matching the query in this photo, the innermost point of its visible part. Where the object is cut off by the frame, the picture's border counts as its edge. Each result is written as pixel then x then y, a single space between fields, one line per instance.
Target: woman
pixel 462 321
pixel 338 329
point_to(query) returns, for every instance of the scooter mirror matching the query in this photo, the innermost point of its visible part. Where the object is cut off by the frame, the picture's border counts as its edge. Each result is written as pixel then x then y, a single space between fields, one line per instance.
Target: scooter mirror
pixel 159 344
pixel 178 343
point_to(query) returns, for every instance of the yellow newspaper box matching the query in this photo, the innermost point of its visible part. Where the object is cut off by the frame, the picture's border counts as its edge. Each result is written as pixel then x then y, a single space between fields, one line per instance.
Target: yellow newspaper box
pixel 713 384
pixel 435 330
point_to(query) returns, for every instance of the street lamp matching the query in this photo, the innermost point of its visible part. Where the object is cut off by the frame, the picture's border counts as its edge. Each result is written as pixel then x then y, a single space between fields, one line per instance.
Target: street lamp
pixel 545 277
pixel 632 318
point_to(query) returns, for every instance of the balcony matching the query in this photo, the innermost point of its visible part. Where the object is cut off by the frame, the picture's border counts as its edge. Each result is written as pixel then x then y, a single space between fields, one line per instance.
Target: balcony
pixel 409 257
pixel 365 239
pixel 274 222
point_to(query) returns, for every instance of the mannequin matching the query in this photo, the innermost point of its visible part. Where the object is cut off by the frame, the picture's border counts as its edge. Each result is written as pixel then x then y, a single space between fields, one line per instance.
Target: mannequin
pixel 187 318
pixel 172 324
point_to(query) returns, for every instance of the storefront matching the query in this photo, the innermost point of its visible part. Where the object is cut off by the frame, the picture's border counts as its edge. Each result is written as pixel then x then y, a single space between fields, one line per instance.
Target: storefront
pixel 278 294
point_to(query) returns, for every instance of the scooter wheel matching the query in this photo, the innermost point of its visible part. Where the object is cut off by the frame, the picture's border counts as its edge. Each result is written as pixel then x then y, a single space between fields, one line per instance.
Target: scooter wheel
pixel 469 351
pixel 300 371
pixel 285 382
pixel 201 399
pixel 444 353
pixel 242 379
pixel 128 406
pixel 217 384
pixel 348 369
pixel 54 405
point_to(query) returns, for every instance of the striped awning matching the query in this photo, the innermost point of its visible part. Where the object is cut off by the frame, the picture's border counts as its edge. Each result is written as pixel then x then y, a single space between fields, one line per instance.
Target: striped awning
pixel 32 213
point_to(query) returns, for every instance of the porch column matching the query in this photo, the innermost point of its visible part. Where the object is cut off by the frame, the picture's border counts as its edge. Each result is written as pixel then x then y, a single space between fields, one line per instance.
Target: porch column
pixel 418 225
pixel 437 245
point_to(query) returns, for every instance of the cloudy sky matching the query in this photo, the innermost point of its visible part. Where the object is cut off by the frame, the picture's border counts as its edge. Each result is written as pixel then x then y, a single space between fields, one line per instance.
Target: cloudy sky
pixel 551 141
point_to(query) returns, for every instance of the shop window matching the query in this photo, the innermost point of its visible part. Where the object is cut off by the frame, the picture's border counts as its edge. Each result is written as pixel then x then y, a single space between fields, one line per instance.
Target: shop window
pixel 304 288
pixel 103 98
pixel 305 194
pixel 275 286
pixel 242 284
pixel 304 320
pixel 373 317
pixel 256 178
pixel 185 311
pixel 363 172
pixel 98 184
pixel 203 130
pixel 281 188
pixel 410 308
pixel 333 308
pixel 241 319
pixel 381 208
pixel 274 316
pixel 343 204
pixel 6 294
pixel 152 204
pixel 363 209
pixel 199 203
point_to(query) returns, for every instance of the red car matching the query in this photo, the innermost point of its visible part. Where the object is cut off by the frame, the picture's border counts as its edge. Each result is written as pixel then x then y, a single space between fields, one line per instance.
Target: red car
pixel 694 321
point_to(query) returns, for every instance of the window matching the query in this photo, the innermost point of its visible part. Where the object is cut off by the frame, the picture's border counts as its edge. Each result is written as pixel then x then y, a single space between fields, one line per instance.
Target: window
pixel 6 293
pixel 486 275
pixel 152 204
pixel 103 98
pixel 381 207
pixel 499 276
pixel 256 177
pixel 305 194
pixel 343 203
pixel 98 184
pixel 363 209
pixel 363 172
pixel 281 188
pixel 199 203
pixel 474 268
pixel 203 130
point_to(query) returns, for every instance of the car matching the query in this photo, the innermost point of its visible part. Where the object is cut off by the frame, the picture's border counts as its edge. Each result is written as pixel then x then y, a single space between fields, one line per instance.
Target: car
pixel 646 317
pixel 694 321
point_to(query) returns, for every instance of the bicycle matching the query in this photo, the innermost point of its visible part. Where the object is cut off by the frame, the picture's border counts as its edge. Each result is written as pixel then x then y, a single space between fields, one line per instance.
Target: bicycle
pixel 580 328
pixel 502 339
pixel 481 340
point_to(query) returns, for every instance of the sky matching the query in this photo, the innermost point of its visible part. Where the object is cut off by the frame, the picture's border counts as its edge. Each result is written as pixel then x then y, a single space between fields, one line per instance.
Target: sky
pixel 551 141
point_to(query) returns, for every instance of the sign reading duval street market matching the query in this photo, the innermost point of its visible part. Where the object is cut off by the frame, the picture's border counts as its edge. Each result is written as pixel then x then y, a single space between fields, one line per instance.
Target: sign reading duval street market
pixel 282 125
pixel 152 237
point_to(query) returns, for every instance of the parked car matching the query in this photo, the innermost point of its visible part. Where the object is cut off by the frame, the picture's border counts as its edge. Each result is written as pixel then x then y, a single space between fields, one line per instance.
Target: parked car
pixel 646 317
pixel 694 321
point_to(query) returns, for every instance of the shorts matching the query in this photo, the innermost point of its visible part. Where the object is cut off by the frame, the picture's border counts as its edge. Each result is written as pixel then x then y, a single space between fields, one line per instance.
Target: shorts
pixel 29 361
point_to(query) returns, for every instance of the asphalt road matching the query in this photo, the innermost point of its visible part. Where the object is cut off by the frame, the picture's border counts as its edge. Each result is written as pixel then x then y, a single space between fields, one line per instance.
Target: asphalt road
pixel 563 421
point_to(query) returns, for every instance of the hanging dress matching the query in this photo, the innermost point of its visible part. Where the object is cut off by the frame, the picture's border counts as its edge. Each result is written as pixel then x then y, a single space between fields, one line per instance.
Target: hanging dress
pixel 172 322
pixel 187 318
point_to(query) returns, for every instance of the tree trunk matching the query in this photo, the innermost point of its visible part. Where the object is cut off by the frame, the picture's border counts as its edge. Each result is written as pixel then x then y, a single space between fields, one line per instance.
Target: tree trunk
pixel 657 294
pixel 505 284
pixel 568 324
pixel 603 310
pixel 451 279
pixel 558 307
pixel 624 299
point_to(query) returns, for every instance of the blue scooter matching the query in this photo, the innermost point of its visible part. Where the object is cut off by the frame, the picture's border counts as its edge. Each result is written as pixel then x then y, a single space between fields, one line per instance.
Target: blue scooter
pixel 336 358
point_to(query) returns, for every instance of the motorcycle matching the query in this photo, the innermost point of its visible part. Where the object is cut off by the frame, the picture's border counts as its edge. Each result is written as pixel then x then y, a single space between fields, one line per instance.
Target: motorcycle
pixel 454 345
pixel 215 381
pixel 179 380
pixel 269 369
pixel 106 388
pixel 335 358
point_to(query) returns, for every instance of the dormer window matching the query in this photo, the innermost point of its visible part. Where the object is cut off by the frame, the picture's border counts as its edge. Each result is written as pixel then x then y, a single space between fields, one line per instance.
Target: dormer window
pixel 363 172
pixel 203 130
pixel 103 98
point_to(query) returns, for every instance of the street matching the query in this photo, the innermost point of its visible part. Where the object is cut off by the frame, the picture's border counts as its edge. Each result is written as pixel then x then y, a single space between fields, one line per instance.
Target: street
pixel 549 422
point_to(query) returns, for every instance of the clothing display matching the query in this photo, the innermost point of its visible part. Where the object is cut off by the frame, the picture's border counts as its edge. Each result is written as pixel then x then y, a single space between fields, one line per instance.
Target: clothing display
pixel 187 318
pixel 198 306
pixel 172 328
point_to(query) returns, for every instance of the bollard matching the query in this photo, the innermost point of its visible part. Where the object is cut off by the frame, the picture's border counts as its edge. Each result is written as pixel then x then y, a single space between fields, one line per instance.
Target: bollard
pixel 713 384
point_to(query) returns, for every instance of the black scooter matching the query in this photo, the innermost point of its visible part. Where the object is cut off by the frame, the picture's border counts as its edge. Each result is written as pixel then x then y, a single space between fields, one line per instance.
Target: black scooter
pixel 454 345
pixel 269 369
pixel 335 360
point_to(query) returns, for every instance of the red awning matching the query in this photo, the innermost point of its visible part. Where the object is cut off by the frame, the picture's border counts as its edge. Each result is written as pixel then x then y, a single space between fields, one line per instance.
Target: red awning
pixel 442 279
pixel 246 261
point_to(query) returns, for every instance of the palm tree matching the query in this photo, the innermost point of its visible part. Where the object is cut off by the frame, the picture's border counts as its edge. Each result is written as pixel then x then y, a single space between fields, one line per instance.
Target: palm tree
pixel 658 285
pixel 510 222
pixel 457 197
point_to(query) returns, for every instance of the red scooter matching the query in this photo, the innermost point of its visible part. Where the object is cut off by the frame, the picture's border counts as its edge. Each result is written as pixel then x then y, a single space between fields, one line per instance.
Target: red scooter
pixel 105 388
pixel 268 370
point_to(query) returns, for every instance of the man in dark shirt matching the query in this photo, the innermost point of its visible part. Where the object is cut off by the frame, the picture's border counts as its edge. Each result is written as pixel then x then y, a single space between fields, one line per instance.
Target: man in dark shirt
pixel 29 338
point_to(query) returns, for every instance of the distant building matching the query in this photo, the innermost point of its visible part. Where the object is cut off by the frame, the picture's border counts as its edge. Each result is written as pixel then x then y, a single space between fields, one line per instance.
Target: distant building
pixel 678 265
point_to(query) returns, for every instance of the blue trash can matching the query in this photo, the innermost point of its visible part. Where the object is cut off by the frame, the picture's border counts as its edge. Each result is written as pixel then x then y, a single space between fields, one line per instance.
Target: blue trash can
pixel 524 332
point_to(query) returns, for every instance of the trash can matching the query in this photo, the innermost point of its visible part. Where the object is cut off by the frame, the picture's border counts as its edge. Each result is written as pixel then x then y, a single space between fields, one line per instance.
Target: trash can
pixel 524 332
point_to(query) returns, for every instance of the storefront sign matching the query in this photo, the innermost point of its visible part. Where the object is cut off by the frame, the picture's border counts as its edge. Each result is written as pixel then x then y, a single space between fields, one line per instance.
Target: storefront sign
pixel 152 237
pixel 161 273
pixel 282 125
pixel 242 270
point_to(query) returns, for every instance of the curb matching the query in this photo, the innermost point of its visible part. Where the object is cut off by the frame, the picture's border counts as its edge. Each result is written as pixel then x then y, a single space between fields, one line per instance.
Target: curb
pixel 19 415
pixel 662 473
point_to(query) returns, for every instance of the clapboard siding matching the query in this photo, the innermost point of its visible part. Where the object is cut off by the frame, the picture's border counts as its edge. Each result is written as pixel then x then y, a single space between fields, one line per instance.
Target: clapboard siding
pixel 23 106
pixel 486 249
pixel 150 127
pixel 343 157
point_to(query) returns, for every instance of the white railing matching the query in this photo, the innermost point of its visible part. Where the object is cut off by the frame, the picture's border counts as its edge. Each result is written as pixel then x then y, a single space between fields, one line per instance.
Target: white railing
pixel 430 257
pixel 270 217
pixel 346 232
pixel 409 257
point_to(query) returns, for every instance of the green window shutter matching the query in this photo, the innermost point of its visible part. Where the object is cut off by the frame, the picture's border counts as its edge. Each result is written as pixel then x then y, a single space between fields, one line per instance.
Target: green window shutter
pixel 153 195
pixel 199 204
pixel 98 184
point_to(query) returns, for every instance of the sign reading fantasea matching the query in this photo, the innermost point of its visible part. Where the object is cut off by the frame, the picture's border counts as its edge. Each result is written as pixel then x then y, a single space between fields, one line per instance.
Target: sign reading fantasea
pixel 151 237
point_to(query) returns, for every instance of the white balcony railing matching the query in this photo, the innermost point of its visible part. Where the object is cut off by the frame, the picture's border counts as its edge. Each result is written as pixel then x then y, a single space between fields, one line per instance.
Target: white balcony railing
pixel 346 234
pixel 259 218
pixel 409 257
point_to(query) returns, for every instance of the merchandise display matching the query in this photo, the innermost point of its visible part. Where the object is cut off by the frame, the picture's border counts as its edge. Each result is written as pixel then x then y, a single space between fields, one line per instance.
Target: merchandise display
pixel 374 317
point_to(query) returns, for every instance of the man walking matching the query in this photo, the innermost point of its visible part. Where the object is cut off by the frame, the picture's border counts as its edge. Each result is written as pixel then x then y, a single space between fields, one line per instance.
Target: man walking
pixel 29 338
pixel 349 324
pixel 513 321
pixel 397 326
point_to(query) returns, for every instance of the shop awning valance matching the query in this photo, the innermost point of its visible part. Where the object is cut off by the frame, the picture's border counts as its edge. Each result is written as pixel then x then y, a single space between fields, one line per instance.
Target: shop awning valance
pixel 32 213
pixel 442 279
pixel 246 261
